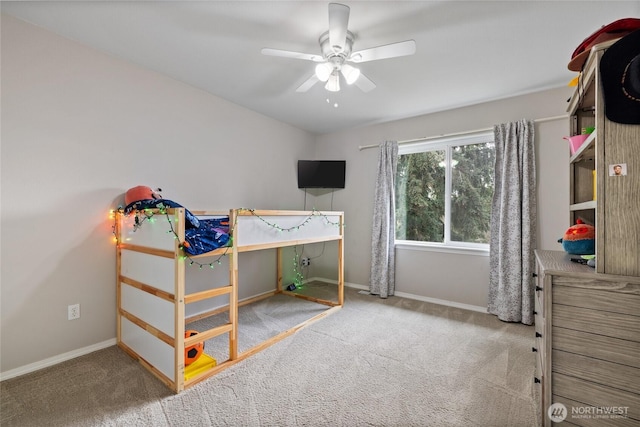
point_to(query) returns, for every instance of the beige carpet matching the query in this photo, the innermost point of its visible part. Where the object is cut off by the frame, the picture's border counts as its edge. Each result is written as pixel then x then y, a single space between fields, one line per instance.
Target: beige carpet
pixel 393 362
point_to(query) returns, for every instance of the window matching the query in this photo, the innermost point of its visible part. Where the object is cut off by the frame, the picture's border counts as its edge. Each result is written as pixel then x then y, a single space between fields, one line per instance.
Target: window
pixel 444 190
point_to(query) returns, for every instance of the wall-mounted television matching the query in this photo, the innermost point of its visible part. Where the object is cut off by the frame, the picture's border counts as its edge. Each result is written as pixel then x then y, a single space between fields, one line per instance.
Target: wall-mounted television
pixel 321 173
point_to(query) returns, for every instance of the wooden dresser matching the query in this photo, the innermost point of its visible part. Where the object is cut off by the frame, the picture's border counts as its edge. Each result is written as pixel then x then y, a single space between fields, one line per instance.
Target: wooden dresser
pixel 587 344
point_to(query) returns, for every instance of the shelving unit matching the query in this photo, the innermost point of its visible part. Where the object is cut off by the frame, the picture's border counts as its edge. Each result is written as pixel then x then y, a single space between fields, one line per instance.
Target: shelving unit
pixel 588 320
pixel 610 203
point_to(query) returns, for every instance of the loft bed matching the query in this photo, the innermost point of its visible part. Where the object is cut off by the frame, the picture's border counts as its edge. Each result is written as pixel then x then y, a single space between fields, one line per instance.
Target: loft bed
pixel 154 251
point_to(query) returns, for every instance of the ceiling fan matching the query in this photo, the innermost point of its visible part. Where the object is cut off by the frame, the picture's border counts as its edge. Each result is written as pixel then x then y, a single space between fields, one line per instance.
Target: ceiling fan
pixel 336 47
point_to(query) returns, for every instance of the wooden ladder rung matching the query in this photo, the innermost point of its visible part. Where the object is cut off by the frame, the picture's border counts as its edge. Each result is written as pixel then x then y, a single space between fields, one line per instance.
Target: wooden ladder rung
pixel 146 326
pixel 210 293
pixel 205 335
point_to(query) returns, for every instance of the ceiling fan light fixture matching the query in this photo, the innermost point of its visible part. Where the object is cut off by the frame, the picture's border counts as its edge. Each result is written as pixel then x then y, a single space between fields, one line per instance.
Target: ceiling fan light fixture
pixel 336 46
pixel 323 71
pixel 350 73
pixel 333 84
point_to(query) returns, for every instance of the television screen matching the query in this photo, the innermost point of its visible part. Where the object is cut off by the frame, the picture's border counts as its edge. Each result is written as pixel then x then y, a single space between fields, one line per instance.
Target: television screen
pixel 321 173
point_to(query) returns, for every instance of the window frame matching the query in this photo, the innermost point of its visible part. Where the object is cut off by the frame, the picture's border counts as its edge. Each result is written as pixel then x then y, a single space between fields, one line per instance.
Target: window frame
pixel 446 143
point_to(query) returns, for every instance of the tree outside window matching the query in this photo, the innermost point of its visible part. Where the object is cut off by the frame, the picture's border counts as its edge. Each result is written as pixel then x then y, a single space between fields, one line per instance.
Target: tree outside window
pixel 444 191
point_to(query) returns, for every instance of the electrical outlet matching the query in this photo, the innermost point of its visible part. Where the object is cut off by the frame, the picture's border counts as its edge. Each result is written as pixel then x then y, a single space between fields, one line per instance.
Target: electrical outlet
pixel 306 261
pixel 73 312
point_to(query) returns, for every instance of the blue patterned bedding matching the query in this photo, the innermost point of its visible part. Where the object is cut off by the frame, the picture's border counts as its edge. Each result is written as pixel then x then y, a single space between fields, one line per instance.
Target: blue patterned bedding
pixel 211 234
pixel 202 235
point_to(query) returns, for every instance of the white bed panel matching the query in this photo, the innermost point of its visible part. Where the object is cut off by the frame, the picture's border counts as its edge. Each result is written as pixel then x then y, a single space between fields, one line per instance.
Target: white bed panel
pixel 151 270
pixel 213 216
pixel 158 353
pixel 155 311
pixel 155 233
pixel 253 230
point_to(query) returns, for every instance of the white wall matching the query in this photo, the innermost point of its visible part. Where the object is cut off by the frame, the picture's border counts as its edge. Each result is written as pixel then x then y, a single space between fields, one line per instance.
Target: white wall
pixel 459 279
pixel 78 129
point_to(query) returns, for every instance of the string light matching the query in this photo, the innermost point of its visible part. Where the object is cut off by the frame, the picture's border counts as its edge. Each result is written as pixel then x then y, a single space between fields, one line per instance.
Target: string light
pixel 314 213
pixel 149 214
pixel 114 217
pixel 298 277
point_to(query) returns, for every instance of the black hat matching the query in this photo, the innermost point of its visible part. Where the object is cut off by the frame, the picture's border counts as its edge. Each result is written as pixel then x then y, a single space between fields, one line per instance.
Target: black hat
pixel 620 73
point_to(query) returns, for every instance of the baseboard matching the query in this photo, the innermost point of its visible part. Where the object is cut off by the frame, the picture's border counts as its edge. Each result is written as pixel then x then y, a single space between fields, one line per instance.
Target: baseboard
pixel 32 367
pixel 443 302
pixel 411 296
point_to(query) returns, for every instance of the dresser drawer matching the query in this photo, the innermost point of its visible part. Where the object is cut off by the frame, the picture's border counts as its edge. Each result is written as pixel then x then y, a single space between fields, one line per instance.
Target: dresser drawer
pixel 597 299
pixel 597 346
pixel 578 415
pixel 539 391
pixel 614 325
pixel 599 371
pixel 593 394
pixel 538 294
pixel 539 366
pixel 538 307
pixel 539 346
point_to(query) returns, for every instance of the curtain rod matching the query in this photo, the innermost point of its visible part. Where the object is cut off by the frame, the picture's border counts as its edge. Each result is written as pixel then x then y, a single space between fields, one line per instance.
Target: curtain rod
pixel 426 138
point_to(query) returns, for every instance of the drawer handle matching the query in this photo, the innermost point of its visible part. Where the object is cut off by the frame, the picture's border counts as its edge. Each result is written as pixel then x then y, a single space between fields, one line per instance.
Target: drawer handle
pixel 538 288
pixel 535 350
pixel 536 380
pixel 534 274
pixel 538 335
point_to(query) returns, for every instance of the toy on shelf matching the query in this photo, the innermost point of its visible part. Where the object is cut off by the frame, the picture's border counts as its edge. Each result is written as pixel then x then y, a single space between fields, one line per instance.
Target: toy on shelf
pixel 579 239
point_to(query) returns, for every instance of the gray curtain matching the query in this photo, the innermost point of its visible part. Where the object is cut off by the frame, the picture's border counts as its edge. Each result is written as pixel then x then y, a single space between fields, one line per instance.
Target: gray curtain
pixel 513 224
pixel 383 261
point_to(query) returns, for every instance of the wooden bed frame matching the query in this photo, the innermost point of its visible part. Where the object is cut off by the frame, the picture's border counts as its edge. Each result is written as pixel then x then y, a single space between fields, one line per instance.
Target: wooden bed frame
pixel 151 294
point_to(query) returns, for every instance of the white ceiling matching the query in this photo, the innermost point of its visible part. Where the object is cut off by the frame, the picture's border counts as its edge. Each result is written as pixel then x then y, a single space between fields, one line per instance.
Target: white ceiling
pixel 467 51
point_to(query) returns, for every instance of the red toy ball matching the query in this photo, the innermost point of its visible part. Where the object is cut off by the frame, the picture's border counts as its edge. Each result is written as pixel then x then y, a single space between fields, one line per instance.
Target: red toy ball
pixel 193 352
pixel 579 239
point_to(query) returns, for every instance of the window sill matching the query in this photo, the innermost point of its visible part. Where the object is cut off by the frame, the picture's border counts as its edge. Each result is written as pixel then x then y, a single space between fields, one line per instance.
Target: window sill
pixel 434 247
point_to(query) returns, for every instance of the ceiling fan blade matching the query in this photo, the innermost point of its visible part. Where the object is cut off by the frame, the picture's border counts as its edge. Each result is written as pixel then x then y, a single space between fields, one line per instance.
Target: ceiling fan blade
pixel 338 23
pixel 393 50
pixel 293 55
pixel 364 83
pixel 308 84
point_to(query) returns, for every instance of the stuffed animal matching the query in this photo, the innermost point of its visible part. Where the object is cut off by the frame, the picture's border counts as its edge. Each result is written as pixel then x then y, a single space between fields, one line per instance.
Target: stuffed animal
pixel 579 239
pixel 141 192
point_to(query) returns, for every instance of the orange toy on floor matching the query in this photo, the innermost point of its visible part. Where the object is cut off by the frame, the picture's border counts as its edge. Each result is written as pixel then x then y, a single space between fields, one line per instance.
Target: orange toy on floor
pixel 192 353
